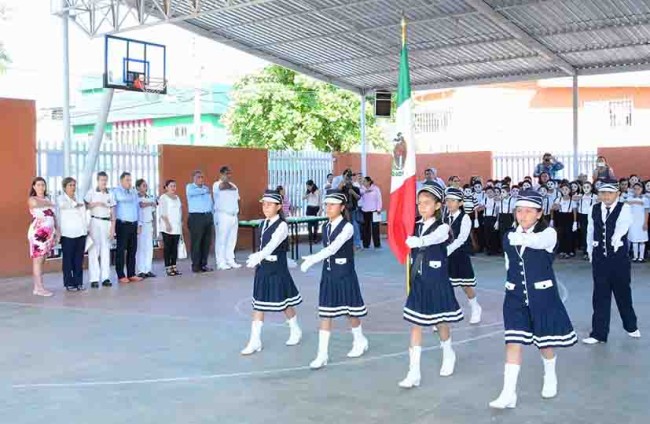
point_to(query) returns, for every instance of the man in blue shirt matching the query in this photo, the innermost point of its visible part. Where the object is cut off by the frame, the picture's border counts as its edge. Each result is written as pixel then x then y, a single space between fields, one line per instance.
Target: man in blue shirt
pixel 200 221
pixel 126 228
pixel 549 165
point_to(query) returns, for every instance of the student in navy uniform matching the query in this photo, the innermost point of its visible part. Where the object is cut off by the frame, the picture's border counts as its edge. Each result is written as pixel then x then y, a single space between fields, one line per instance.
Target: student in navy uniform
pixel 461 271
pixel 533 312
pixel 273 287
pixel 340 294
pixel 469 207
pixel 564 215
pixel 587 199
pixel 490 223
pixel 608 249
pixel 506 209
pixel 431 299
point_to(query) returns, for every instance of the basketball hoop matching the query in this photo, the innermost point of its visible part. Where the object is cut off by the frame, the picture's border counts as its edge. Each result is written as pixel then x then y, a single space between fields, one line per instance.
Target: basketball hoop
pixel 154 88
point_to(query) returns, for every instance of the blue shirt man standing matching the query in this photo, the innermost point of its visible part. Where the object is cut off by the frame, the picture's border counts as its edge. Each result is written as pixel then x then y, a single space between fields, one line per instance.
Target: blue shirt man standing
pixel 126 228
pixel 549 165
pixel 200 221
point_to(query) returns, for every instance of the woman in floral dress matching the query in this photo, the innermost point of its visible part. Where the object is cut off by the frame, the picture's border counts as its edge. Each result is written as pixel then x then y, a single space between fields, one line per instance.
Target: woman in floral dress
pixel 42 232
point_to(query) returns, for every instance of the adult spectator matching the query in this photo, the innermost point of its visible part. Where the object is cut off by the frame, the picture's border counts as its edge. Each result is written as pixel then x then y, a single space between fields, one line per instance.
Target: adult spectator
pixel 372 205
pixel 603 171
pixel 454 181
pixel 353 195
pixel 146 223
pixel 549 165
pixel 73 228
pixel 313 199
pixel 199 221
pixel 101 204
pixel 338 180
pixel 329 183
pixel 430 175
pixel 286 202
pixel 126 228
pixel 226 206
pixel 42 233
pixel 171 224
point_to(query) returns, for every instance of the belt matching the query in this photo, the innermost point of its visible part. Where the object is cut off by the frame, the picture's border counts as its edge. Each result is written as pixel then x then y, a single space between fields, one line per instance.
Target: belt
pixel 200 213
pixel 101 217
pixel 127 222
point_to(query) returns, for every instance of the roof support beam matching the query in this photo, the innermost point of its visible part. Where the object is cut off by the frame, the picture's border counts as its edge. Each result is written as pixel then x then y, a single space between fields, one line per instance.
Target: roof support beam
pixel 525 38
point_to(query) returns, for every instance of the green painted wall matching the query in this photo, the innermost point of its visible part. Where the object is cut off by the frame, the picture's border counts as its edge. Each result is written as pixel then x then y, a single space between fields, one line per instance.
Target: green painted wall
pixel 215 120
pixel 88 129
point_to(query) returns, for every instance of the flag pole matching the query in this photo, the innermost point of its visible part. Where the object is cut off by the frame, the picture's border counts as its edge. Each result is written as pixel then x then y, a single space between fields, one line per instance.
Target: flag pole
pixel 408 255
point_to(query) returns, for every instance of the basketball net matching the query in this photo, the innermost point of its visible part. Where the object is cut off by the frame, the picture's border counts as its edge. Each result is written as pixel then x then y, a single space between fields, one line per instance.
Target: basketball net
pixel 154 89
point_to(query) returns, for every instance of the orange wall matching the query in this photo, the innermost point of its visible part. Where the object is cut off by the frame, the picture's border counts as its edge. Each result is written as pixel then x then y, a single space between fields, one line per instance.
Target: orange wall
pixel 17 169
pixel 561 97
pixel 250 174
pixel 628 160
pixel 463 164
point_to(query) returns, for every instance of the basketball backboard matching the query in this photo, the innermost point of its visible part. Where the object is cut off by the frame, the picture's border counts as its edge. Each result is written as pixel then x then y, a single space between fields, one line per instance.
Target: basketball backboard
pixel 135 65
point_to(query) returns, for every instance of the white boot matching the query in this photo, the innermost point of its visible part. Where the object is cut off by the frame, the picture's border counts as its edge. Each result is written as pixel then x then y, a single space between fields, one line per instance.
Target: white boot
pixel 359 344
pixel 255 342
pixel 448 358
pixel 323 344
pixel 476 311
pixel 413 377
pixel 295 333
pixel 549 390
pixel 508 396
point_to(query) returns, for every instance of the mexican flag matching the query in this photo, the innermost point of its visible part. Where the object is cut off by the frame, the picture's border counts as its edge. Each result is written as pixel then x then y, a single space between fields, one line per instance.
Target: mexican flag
pixel 401 215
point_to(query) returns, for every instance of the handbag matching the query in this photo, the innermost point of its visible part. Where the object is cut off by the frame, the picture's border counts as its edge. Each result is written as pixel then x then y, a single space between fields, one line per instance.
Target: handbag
pixel 182 251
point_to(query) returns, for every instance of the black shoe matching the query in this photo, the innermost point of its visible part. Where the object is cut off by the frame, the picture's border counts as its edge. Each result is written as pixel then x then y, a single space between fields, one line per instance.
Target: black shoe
pixel 175 271
pixel 94 284
pixel 70 288
pixel 80 288
pixel 142 275
pixel 107 283
pixel 150 275
pixel 206 269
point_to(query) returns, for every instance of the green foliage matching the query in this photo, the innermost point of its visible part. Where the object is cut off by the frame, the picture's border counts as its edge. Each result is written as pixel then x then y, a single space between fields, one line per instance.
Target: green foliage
pixel 4 56
pixel 279 109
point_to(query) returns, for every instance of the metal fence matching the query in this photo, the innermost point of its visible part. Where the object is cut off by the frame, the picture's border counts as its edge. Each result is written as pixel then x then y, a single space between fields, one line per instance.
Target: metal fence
pixel 292 169
pixel 115 157
pixel 517 165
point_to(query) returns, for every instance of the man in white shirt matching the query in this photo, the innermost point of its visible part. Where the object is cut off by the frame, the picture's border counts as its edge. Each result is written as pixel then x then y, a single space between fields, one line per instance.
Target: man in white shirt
pixel 226 210
pixel 100 202
pixel 146 220
pixel 608 250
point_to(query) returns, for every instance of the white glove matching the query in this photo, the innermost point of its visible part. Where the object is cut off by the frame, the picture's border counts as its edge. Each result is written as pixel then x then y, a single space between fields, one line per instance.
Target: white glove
pixel 496 225
pixel 414 242
pixel 617 244
pixel 476 223
pixel 516 239
pixel 552 224
pixel 575 227
pixel 307 263
pixel 253 260
pixel 590 254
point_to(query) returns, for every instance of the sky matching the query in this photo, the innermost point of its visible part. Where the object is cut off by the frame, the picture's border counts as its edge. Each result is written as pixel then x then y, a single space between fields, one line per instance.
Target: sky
pixel 36 71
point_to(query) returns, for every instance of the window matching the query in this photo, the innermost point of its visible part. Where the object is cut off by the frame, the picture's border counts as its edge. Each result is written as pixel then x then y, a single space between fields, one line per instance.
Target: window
pixel 620 113
pixel 432 122
pixel 180 131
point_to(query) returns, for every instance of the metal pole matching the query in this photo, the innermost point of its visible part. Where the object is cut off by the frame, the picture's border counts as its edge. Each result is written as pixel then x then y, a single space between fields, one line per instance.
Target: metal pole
pixel 66 94
pixel 576 166
pixel 364 158
pixel 85 180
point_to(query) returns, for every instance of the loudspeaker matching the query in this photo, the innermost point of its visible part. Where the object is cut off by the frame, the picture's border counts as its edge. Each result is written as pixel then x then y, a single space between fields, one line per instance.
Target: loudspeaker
pixel 383 103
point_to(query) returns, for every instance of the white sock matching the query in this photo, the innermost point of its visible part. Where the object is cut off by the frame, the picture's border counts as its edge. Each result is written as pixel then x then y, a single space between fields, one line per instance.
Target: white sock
pixel 323 342
pixel 635 255
pixel 293 322
pixel 473 302
pixel 549 365
pixel 641 250
pixel 416 353
pixel 357 333
pixel 446 345
pixel 256 330
pixel 510 375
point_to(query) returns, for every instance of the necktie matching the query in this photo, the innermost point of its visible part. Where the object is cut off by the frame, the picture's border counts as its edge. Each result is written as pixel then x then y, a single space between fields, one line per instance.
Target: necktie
pixel 266 225
pixel 607 213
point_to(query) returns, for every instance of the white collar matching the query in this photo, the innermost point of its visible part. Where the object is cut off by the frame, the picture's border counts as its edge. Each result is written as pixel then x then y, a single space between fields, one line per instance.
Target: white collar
pixel 520 229
pixel 455 214
pixel 272 220
pixel 336 222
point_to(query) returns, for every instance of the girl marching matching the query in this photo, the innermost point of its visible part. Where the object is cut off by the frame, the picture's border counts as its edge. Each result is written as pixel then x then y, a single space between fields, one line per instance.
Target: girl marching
pixel 273 287
pixel 461 272
pixel 431 299
pixel 340 294
pixel 533 312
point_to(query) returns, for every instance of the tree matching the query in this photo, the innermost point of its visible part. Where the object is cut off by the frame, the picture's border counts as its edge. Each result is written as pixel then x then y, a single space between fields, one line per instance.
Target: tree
pixel 279 109
pixel 4 56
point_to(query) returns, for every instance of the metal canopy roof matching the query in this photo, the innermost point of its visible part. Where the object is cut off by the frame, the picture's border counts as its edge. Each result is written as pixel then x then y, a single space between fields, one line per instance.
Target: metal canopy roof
pixel 355 43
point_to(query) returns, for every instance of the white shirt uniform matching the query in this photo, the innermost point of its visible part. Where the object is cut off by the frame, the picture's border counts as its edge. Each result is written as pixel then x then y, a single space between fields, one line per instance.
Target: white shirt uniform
pixel 99 253
pixel 491 207
pixel 565 205
pixel 144 254
pixel 507 205
pixel 622 226
pixel 172 209
pixel 226 206
pixel 72 219
pixel 639 206
pixel 465 229
pixel 586 202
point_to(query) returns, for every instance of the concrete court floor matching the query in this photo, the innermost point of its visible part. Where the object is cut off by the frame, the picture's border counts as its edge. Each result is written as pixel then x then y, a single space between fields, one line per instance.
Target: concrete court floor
pixel 167 351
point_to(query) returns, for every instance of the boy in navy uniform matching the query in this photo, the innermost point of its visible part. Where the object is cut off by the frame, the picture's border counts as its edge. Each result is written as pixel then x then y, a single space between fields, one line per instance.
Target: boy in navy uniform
pixel 608 250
